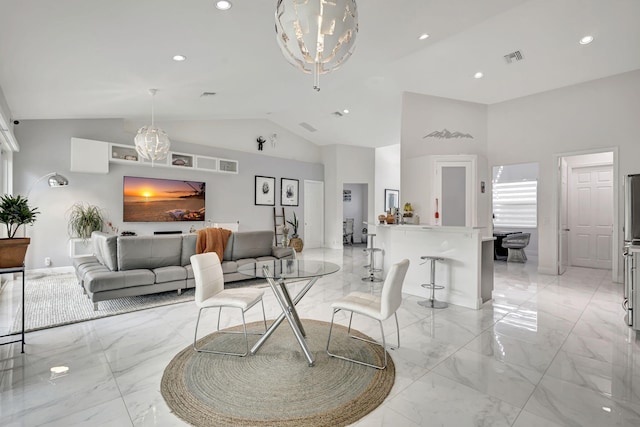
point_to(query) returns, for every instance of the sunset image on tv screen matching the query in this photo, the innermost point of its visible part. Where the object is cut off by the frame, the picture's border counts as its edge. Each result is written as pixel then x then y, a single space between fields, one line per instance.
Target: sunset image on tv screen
pixel 162 200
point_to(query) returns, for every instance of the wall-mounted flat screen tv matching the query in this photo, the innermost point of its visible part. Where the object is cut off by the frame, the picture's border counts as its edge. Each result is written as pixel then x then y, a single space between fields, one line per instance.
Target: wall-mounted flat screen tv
pixel 162 200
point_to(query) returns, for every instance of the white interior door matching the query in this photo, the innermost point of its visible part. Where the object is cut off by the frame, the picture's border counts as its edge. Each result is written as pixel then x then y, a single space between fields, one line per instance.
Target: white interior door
pixel 591 216
pixel 563 220
pixel 313 214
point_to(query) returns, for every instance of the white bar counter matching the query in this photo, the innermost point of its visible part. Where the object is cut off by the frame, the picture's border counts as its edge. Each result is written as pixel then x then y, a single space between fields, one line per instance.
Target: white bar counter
pixel 466 273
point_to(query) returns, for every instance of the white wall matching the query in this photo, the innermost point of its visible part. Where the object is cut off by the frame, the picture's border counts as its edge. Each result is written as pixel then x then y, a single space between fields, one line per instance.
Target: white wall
pixel 591 116
pixel 45 147
pixel 421 115
pixel 237 134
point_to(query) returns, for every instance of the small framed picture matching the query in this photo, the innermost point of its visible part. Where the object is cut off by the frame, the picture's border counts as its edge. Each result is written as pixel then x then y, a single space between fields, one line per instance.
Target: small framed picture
pixel 391 199
pixel 289 192
pixel 265 190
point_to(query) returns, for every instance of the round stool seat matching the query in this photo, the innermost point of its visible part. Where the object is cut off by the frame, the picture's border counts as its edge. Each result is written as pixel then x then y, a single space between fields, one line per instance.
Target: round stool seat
pixel 435 258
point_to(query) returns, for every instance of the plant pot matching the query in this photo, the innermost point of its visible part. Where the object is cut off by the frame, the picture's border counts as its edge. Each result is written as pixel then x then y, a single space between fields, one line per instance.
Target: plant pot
pixel 13 251
pixel 296 243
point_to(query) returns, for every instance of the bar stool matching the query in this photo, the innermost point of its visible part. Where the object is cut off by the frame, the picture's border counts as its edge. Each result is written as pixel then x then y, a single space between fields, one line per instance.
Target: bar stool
pixel 371 267
pixel 432 302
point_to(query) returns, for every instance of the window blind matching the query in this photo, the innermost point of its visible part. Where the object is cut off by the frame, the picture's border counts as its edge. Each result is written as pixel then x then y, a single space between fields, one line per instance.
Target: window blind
pixel 515 204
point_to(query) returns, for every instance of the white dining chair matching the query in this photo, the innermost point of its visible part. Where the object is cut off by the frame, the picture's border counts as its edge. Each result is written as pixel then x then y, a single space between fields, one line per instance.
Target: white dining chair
pixel 376 307
pixel 210 293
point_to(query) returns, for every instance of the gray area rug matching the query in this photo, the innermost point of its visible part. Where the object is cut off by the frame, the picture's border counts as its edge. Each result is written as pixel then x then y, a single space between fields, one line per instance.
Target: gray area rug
pixel 276 386
pixel 57 299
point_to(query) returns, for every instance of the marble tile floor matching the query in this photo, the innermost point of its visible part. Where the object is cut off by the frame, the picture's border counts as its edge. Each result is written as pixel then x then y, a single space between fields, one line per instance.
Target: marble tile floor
pixel 546 351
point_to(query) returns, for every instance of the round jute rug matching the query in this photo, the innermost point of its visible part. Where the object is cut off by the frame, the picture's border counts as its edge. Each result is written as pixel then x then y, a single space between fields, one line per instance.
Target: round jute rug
pixel 276 386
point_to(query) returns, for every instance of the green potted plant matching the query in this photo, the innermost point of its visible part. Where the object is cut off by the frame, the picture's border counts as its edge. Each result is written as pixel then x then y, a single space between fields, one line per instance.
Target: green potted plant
pixel 295 242
pixel 14 212
pixel 84 219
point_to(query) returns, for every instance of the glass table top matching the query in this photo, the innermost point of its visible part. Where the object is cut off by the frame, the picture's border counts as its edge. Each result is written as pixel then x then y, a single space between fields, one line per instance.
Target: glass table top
pixel 289 269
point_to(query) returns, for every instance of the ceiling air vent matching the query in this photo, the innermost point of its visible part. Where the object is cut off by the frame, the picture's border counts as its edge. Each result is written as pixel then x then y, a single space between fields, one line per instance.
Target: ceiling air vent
pixel 308 127
pixel 513 56
pixel 208 94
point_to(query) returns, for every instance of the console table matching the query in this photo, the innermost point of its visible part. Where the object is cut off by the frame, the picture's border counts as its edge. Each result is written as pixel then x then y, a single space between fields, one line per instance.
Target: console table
pixel 21 333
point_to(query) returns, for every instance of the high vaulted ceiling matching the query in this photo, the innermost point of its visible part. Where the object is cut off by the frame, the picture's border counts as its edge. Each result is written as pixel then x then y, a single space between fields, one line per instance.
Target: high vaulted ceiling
pixel 97 59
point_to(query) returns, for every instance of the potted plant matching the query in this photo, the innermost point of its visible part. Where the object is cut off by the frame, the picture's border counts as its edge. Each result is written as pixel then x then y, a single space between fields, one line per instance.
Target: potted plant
pixel 295 242
pixel 14 212
pixel 84 219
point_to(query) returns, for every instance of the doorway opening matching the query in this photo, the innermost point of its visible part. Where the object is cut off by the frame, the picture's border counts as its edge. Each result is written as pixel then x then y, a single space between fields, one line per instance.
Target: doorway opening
pixel 515 207
pixel 586 211
pixel 355 201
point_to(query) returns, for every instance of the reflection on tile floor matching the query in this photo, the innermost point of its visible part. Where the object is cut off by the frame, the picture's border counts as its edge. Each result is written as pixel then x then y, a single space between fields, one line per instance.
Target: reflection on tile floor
pixel 548 350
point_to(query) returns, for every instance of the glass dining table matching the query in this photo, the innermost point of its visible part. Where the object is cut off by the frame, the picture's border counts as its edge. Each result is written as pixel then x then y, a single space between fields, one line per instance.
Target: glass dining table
pixel 278 273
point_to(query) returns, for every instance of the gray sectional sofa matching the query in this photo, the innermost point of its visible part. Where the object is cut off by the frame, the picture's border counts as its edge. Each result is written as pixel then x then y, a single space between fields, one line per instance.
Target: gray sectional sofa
pixel 125 266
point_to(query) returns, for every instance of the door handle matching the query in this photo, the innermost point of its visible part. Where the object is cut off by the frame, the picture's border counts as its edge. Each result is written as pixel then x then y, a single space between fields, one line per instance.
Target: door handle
pixel 566 229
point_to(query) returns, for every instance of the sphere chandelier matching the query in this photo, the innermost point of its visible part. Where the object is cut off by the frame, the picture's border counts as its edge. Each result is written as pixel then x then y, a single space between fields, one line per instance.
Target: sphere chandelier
pixel 152 143
pixel 316 36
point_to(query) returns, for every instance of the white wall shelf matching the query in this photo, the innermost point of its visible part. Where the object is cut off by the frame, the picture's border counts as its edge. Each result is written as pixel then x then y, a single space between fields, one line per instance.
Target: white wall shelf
pixel 127 154
pixel 228 166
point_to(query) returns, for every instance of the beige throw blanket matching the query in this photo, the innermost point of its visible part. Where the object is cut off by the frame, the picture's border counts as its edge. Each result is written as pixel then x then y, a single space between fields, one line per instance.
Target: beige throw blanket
pixel 212 240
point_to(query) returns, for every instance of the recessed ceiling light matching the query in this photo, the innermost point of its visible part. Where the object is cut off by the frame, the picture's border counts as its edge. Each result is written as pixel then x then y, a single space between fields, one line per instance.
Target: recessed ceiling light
pixel 423 36
pixel 223 5
pixel 478 75
pixel 179 58
pixel 345 111
pixel 586 40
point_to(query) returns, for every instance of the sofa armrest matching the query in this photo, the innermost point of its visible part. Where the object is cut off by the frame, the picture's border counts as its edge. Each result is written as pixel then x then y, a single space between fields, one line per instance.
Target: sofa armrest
pixel 280 252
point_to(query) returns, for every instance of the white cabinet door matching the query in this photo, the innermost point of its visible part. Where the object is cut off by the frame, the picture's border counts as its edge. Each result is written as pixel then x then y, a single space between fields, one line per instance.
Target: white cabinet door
pixel 454 191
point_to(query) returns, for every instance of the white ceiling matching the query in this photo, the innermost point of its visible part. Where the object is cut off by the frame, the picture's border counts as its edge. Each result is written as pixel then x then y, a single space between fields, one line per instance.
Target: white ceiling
pixel 97 59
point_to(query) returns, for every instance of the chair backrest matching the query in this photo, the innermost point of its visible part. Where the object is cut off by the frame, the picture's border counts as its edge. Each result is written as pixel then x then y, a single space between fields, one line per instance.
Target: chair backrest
pixel 391 296
pixel 349 226
pixel 208 275
pixel 516 241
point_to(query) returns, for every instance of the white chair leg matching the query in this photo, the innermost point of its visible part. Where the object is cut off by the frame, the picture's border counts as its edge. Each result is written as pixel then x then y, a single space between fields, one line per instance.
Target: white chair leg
pixel 244 332
pixel 359 362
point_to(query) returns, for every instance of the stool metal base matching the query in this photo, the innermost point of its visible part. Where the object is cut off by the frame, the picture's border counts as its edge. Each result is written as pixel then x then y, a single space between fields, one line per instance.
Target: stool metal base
pixel 432 303
pixel 371 279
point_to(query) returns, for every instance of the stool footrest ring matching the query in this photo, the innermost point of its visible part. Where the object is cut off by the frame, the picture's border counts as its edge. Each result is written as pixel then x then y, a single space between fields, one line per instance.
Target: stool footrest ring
pixel 430 286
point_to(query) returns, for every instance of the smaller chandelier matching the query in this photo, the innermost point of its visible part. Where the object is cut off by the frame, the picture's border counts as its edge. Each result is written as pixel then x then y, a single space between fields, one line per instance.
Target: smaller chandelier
pixel 316 36
pixel 152 143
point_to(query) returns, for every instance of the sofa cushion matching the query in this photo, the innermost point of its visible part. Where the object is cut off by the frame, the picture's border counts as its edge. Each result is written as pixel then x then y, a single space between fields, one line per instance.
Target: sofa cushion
pixel 87 259
pixel 170 274
pixel 188 248
pixel 280 252
pixel 251 244
pixel 105 248
pixel 229 267
pixel 189 270
pixel 100 281
pixel 228 250
pixel 136 252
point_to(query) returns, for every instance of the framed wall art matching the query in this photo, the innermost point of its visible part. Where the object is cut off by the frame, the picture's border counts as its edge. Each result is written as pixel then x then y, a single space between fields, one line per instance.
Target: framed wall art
pixel 289 192
pixel 391 199
pixel 265 190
